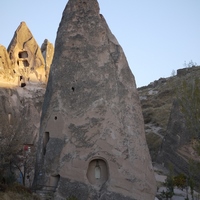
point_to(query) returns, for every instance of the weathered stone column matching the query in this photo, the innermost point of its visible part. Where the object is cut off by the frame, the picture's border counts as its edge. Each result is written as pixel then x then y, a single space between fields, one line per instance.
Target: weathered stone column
pixel 92 132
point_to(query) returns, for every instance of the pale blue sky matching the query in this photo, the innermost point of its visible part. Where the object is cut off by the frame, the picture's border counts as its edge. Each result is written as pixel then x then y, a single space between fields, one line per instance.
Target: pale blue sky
pixel 157 36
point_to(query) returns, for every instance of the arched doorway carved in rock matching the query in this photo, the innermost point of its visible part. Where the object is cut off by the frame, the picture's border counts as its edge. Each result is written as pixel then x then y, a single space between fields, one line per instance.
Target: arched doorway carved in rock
pixel 97 172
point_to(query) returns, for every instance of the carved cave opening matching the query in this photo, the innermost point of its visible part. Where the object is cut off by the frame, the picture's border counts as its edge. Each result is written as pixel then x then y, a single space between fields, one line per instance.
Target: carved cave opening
pixel 23 63
pixel 46 140
pixel 54 180
pixel 97 172
pixel 23 84
pixel 9 118
pixel 23 54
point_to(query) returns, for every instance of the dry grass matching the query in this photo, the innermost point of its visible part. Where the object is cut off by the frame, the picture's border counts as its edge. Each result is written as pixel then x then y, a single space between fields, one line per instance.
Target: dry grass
pixel 16 192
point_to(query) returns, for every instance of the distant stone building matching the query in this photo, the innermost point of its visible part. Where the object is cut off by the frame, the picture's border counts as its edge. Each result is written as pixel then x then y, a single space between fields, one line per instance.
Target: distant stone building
pixel 92 143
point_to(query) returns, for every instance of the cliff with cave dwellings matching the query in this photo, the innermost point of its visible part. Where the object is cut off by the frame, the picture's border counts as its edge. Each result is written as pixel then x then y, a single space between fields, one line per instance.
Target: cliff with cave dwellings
pixel 24 69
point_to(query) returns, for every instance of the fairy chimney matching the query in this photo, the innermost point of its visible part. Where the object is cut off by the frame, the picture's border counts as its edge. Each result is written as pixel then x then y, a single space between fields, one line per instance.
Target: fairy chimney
pixel 92 140
pixel 26 56
pixel 47 49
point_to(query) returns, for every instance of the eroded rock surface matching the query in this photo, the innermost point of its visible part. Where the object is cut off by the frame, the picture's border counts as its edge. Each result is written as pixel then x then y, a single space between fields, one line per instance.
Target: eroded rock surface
pixel 6 67
pixel 22 86
pixel 26 56
pixel 47 49
pixel 92 141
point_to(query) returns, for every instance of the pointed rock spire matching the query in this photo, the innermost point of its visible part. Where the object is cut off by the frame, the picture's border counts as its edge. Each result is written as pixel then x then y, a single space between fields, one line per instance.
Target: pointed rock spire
pixel 47 49
pixel 26 56
pixel 92 131
pixel 6 67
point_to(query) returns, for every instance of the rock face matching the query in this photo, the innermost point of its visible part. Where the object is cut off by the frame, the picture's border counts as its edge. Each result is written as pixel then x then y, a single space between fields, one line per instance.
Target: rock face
pixel 178 147
pixel 47 52
pixel 22 88
pixel 6 67
pixel 26 56
pixel 20 110
pixel 176 136
pixel 92 131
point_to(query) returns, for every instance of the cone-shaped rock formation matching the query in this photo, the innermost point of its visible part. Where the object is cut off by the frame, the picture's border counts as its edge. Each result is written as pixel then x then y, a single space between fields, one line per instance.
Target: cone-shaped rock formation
pixel 26 56
pixel 92 132
pixel 47 49
pixel 6 67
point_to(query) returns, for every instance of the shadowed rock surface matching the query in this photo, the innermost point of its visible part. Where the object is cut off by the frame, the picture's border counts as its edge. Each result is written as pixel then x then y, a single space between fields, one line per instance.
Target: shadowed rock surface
pixel 92 141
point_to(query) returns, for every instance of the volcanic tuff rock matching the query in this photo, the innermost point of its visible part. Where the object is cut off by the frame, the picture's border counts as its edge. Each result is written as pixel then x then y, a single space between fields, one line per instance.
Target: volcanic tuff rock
pixel 6 67
pixel 176 136
pixel 26 56
pixel 47 49
pixel 92 141
pixel 21 96
pixel 170 109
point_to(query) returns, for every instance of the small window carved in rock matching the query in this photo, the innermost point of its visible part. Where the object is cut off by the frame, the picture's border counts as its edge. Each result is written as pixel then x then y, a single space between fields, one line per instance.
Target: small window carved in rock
pixel 46 140
pixel 55 117
pixel 23 54
pixel 25 63
pixel 97 172
pixel 23 84
pixel 54 181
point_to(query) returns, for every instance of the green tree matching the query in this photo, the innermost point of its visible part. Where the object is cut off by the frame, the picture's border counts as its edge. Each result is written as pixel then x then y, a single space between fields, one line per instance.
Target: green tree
pixel 169 183
pixel 180 181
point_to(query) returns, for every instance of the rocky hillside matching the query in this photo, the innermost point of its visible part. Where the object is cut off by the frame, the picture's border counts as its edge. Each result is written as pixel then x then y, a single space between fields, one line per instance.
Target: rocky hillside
pixel 171 115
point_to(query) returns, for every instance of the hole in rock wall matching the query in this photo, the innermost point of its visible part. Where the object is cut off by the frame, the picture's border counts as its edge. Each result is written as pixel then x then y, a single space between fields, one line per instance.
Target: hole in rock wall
pixel 46 139
pixel 23 84
pixel 55 117
pixel 23 54
pixel 97 172
pixel 54 180
pixel 10 55
pixel 25 63
pixel 73 89
pixel 9 118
